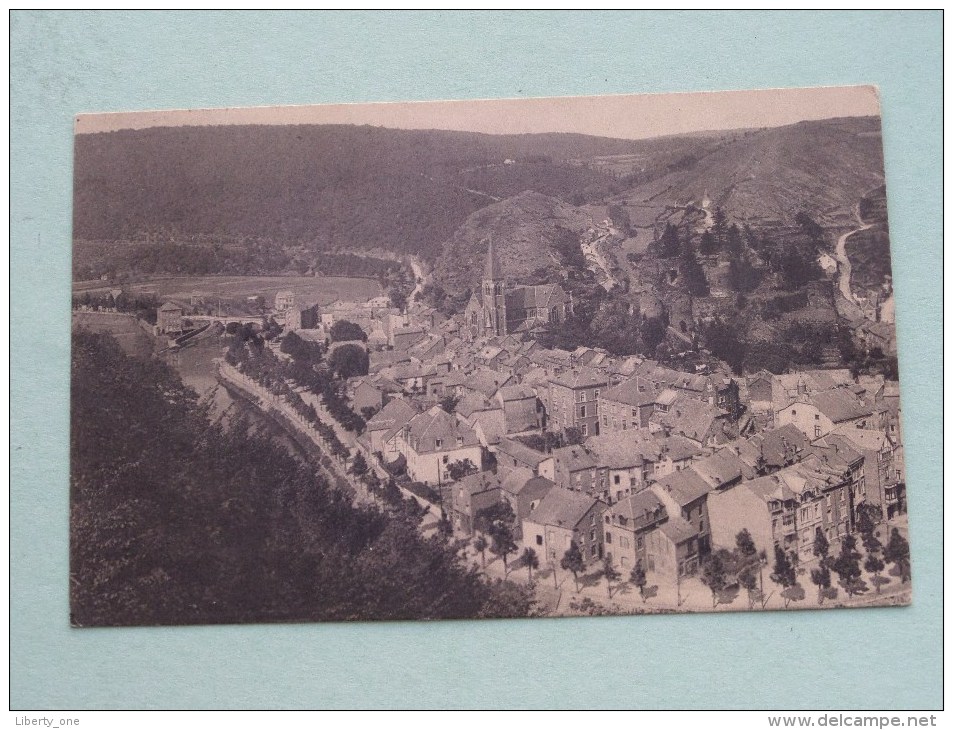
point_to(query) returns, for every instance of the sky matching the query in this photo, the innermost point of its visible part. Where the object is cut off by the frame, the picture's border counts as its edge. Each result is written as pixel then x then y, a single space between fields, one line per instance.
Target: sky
pixel 635 116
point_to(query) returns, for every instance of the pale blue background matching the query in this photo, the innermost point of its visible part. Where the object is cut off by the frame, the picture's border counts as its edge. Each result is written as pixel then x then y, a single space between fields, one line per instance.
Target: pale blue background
pixel 65 63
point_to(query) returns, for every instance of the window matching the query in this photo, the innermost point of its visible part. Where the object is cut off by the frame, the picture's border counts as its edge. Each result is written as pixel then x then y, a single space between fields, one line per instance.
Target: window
pixel 605 420
pixel 817 417
pixel 581 396
pixel 438 443
pixel 585 428
pixel 582 411
pixel 817 432
pixel 592 551
pixel 608 538
pixel 539 539
pixel 607 519
pixel 592 534
pixel 640 542
pixel 793 413
pixel 596 396
pixel 615 479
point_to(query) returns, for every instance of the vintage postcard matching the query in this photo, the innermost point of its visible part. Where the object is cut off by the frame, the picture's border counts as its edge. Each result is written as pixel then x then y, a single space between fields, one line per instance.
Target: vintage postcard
pixel 503 358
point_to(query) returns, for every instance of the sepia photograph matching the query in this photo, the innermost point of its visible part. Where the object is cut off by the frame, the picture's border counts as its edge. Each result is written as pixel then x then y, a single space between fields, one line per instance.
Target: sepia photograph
pixel 569 356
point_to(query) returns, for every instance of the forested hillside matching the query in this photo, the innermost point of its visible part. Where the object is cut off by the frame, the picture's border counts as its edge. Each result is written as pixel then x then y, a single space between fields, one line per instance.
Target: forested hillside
pixel 336 186
pixel 256 199
pixel 175 521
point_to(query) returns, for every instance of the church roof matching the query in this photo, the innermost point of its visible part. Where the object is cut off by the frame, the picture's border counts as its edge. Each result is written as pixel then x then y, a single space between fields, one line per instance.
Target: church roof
pixel 532 297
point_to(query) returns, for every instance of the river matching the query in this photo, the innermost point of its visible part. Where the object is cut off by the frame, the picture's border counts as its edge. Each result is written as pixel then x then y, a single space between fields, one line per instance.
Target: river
pixel 197 368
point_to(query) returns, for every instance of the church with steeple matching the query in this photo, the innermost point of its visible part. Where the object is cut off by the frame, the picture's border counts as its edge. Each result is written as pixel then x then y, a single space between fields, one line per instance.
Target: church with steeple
pixel 497 309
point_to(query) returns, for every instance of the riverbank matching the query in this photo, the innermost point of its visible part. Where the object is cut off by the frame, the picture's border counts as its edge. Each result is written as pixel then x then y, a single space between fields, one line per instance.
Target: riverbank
pixel 267 402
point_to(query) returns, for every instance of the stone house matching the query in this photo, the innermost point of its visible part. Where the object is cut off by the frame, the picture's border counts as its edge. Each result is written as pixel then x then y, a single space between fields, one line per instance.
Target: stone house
pixel 561 518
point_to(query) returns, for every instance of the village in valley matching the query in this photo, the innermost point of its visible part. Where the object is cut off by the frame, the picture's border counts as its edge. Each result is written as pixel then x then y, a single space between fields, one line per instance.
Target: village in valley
pixel 616 480
pixel 671 477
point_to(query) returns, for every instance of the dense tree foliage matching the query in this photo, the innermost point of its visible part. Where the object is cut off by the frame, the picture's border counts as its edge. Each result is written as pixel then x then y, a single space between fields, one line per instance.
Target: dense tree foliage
pixel 847 567
pixel 344 331
pixel 176 520
pixel 349 360
pixel 573 561
pixel 143 306
pixel 300 349
pixel 692 272
pixel 413 188
pixel 897 553
pixel 670 243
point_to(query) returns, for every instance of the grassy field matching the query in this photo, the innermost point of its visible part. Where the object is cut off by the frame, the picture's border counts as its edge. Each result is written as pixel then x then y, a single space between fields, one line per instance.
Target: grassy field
pixel 131 337
pixel 319 290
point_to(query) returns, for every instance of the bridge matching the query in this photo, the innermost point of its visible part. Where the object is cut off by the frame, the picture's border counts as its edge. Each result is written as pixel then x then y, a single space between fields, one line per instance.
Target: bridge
pixel 239 319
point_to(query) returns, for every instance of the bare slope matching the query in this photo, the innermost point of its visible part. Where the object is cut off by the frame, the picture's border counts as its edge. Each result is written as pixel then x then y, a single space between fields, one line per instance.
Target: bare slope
pixel 527 231
pixel 775 173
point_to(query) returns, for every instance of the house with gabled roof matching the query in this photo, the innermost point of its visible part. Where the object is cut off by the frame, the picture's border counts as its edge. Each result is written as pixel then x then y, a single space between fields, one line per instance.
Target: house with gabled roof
pixel 673 551
pixel 576 469
pixel 561 518
pixel 466 497
pixel 169 318
pixel 573 400
pixel 771 450
pixel 634 459
pixel 627 405
pixel 818 414
pixel 883 482
pixel 684 495
pixel 704 424
pixel 522 410
pixel 626 524
pixel 788 387
pixel 788 508
pixel 510 453
pixel 524 491
pixel 432 440
pixel 485 382
pixel 721 470
pixel 394 415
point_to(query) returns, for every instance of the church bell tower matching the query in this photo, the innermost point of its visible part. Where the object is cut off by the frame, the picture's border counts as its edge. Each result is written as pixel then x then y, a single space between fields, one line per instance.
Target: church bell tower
pixel 494 296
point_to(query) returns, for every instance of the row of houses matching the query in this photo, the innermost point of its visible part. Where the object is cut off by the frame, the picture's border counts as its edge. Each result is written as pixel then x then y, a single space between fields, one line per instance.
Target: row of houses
pixel 624 457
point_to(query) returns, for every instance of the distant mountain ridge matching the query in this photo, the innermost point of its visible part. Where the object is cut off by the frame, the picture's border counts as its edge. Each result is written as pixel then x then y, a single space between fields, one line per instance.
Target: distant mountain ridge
pixel 346 186
pixel 341 187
